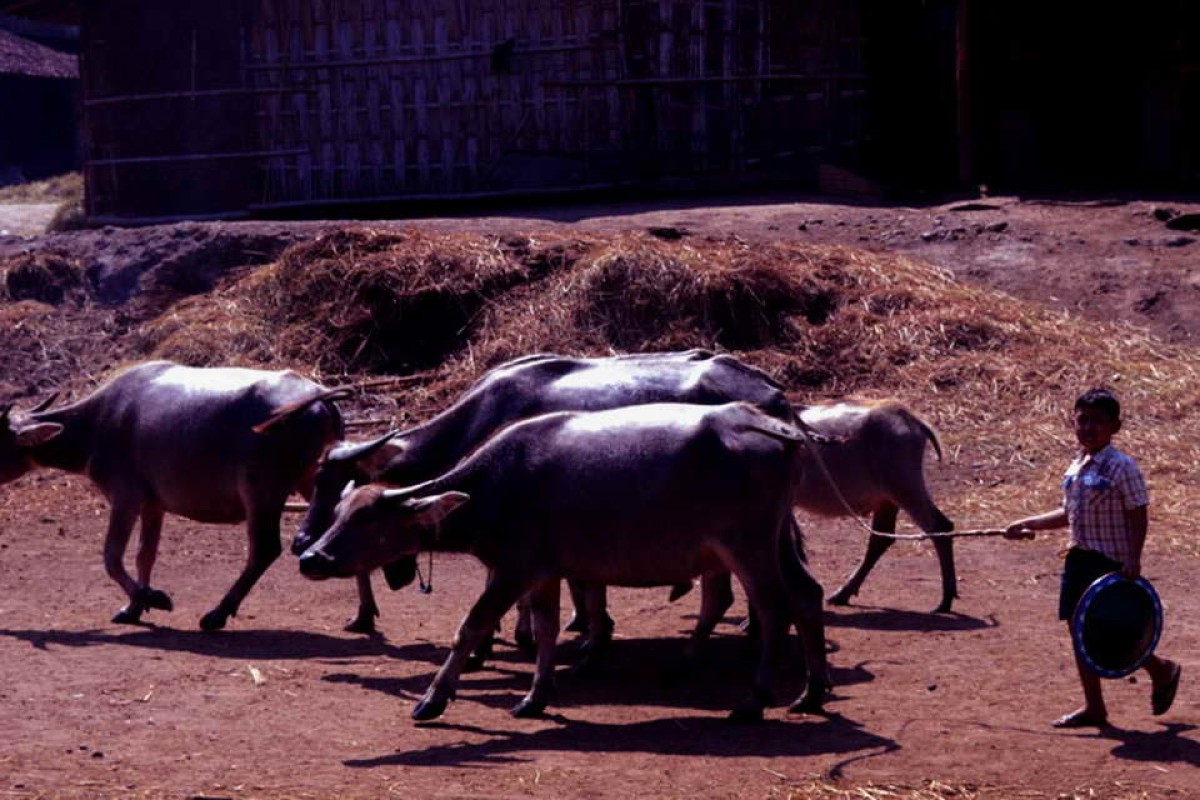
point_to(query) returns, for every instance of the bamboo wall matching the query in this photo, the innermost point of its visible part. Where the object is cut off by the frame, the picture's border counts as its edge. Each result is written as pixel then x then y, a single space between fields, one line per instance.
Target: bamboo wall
pixel 256 105
pixel 388 98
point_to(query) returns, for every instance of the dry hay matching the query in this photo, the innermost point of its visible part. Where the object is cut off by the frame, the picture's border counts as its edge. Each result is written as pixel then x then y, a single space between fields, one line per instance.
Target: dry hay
pixel 47 277
pixel 997 375
pixel 65 187
pixel 47 348
pixel 50 329
pixel 207 331
pixel 381 302
pixel 941 790
pixel 833 318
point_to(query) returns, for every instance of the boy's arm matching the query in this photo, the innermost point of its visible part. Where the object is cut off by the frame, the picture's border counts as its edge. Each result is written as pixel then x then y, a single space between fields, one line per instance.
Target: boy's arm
pixel 1138 522
pixel 1023 528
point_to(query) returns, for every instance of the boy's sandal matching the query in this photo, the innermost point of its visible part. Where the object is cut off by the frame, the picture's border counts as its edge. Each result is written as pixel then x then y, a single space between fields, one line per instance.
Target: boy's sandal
pixel 1079 719
pixel 1164 695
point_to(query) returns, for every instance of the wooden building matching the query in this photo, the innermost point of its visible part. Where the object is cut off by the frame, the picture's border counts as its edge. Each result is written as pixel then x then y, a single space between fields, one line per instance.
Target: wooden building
pixel 39 98
pixel 276 104
pixel 251 107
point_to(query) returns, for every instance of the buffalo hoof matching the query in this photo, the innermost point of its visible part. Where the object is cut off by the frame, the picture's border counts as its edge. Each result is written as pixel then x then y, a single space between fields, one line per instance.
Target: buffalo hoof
pixel 943 607
pixel 154 598
pixel 591 651
pixel 528 709
pixel 360 624
pixel 577 624
pixel 840 598
pixel 811 702
pixel 751 708
pixel 679 590
pixel 525 644
pixel 214 620
pixel 746 715
pixel 428 709
pixel 478 660
pixel 588 665
pixel 749 627
pixel 130 615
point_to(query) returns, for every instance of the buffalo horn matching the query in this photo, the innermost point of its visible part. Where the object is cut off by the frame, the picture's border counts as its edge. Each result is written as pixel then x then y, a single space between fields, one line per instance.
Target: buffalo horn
pixel 354 452
pixel 42 406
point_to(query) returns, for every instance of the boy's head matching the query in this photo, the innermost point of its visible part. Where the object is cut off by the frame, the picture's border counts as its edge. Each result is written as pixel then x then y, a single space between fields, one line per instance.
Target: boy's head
pixel 1097 419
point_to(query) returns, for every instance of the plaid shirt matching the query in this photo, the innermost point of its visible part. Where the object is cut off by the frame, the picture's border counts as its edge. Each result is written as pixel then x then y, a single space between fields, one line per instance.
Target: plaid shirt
pixel 1097 491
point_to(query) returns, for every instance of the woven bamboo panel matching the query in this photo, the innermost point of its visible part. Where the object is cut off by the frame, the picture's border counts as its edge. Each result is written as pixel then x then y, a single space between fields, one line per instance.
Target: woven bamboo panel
pixel 399 98
pixel 402 98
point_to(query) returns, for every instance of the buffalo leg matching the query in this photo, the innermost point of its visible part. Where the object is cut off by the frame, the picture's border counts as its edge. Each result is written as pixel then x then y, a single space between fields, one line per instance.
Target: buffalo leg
pixel 265 547
pixel 765 594
pixel 805 596
pixel 944 547
pixel 716 597
pixel 883 521
pixel 151 535
pixel 796 537
pixel 121 520
pixel 498 596
pixel 583 620
pixel 579 621
pixel 523 632
pixel 919 505
pixel 544 605
pixel 364 619
pixel 593 598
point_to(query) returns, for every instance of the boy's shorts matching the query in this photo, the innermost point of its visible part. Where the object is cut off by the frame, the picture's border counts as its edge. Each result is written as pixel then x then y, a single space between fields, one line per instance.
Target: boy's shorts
pixel 1081 570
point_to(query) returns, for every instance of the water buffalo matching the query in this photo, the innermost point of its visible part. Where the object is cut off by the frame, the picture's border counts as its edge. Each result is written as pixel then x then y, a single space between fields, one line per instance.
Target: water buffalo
pixel 218 445
pixel 865 459
pixel 636 496
pixel 875 455
pixel 515 390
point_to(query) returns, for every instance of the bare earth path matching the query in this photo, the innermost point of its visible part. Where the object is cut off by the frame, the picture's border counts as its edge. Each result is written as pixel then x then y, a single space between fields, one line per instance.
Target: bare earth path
pixel 26 219
pixel 284 704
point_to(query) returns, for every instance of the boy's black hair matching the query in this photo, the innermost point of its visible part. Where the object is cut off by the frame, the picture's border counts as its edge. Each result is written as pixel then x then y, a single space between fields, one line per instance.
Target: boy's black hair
pixel 1102 400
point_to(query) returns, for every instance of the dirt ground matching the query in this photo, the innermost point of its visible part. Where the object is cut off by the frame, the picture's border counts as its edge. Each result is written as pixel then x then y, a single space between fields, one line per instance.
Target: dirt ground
pixel 25 219
pixel 284 704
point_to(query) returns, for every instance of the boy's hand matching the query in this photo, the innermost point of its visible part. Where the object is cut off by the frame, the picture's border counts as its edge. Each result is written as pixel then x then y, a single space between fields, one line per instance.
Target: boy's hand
pixel 1018 531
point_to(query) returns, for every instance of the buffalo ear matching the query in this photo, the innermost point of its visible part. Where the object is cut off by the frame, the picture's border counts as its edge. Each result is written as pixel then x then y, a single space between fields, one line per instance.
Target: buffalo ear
pixel 37 434
pixel 433 509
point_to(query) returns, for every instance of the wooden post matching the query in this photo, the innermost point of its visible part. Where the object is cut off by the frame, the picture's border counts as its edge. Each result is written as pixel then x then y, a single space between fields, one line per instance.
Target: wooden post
pixel 962 78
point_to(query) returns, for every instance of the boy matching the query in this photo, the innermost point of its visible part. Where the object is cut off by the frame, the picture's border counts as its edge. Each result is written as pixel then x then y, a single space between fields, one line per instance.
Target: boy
pixel 1104 504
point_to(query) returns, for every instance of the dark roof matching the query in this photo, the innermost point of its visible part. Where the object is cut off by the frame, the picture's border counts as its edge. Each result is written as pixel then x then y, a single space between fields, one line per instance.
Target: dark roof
pixel 63 12
pixel 22 57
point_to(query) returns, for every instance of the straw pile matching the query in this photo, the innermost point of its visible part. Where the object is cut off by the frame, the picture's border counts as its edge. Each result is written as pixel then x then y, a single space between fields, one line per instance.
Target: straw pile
pixel 44 277
pixel 996 375
pixel 941 790
pixel 352 301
